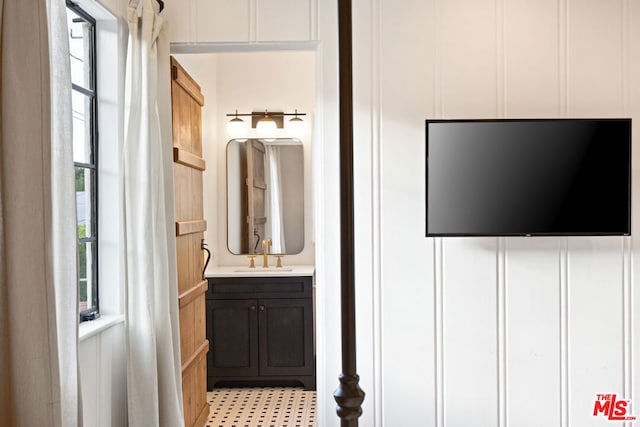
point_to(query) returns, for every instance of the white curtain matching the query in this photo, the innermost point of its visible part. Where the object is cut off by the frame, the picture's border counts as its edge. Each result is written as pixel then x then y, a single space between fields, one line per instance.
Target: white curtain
pixel 38 268
pixel 275 200
pixel 154 386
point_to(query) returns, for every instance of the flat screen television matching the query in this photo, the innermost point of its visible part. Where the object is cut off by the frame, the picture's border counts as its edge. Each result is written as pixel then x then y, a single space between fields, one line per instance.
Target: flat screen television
pixel 533 177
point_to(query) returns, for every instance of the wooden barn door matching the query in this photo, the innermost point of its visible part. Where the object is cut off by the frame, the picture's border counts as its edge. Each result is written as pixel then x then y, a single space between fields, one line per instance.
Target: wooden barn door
pixel 187 101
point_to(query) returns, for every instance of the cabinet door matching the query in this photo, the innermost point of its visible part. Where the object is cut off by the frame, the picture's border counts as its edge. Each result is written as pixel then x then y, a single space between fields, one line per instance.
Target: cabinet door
pixel 286 336
pixel 233 338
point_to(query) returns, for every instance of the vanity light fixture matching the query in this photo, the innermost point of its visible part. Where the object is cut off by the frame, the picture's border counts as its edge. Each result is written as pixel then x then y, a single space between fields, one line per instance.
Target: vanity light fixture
pixel 265 123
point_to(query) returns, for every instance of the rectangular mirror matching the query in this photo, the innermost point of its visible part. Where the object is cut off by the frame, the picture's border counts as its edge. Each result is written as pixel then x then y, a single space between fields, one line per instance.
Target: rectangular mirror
pixel 265 195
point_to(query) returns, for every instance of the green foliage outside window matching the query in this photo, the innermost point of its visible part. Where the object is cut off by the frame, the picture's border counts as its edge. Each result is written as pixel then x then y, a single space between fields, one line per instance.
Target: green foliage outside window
pixel 82 259
pixel 79 179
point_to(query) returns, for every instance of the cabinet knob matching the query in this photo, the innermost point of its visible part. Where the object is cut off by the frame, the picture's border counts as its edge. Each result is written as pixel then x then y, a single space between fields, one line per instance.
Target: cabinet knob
pixel 262 308
pixel 252 308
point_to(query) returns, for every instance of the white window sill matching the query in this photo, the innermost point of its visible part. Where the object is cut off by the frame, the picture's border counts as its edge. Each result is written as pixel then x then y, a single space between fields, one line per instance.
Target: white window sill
pixel 93 327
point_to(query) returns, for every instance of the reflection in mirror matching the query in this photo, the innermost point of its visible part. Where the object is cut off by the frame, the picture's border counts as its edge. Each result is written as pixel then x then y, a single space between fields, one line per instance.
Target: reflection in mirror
pixel 265 196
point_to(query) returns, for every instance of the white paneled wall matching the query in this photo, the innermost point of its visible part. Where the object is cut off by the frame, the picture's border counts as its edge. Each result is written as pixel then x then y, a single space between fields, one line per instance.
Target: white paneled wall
pixel 197 21
pixel 532 73
pixel 533 359
pixel 595 57
pixel 499 331
pixel 594 307
pixel 274 25
pixel 221 20
pixel 103 378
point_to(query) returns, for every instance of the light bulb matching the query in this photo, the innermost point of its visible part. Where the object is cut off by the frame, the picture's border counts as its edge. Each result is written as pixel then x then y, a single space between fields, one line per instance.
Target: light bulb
pixel 296 127
pixel 266 127
pixel 236 127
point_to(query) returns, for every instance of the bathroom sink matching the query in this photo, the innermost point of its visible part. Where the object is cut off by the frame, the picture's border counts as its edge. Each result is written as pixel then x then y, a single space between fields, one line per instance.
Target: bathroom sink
pixel 262 270
pixel 244 271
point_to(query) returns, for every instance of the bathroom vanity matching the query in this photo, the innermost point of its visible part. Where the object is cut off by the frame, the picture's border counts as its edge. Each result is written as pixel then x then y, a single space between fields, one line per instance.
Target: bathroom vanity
pixel 260 326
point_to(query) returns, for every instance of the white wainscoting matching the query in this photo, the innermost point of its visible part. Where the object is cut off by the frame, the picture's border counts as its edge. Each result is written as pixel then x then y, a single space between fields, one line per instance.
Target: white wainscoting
pixel 103 376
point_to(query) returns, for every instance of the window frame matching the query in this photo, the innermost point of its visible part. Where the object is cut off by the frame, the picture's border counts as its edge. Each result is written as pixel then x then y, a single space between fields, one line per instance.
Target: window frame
pixel 94 311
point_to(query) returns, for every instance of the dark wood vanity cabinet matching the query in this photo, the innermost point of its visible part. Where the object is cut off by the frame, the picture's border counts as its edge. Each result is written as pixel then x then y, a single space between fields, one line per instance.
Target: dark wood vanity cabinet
pixel 260 331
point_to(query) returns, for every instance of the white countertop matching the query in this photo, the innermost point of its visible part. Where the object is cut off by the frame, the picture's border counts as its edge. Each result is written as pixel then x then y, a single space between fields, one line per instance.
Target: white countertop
pixel 244 271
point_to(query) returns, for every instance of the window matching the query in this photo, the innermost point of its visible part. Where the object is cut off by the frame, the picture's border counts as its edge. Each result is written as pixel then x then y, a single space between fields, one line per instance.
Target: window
pixel 82 49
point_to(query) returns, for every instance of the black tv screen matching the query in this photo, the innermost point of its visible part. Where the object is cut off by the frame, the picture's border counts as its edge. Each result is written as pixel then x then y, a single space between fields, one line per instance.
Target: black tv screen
pixel 511 177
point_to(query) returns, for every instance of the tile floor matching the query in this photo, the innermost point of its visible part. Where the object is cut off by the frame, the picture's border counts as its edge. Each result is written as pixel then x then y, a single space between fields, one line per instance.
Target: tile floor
pixel 262 407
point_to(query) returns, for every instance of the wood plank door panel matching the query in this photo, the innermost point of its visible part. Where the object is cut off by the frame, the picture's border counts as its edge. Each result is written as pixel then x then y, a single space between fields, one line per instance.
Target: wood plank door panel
pixel 187 101
pixel 256 189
